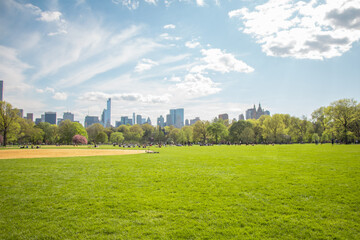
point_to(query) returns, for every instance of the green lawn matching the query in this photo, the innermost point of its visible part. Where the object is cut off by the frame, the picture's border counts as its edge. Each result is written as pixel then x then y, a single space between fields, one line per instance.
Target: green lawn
pixel 219 192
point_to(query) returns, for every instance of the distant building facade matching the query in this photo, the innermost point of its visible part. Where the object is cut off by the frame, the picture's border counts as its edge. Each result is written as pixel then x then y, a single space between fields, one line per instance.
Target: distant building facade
pixel 175 118
pixel 68 116
pixel 1 90
pixel 160 121
pixel 30 116
pixel 106 114
pixel 50 117
pixel 254 113
pixel 224 116
pixel 90 120
pixel 241 117
pixel 193 121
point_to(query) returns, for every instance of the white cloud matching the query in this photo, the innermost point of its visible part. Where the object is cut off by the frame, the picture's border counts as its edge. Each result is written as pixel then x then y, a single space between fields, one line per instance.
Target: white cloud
pixel 312 30
pixel 166 36
pixel 200 3
pixel 197 85
pixel 130 97
pixel 170 26
pixel 145 64
pixel 219 61
pixel 55 95
pixel 49 16
pixel 11 70
pixel 151 1
pixel 192 44
pixel 60 96
pixel 130 4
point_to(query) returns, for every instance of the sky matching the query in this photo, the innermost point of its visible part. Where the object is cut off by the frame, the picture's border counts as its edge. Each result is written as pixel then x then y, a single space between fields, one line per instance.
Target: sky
pixel 206 56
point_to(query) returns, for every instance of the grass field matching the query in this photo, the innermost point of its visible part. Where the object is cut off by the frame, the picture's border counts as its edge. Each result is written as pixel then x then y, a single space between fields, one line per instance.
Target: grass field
pixel 219 192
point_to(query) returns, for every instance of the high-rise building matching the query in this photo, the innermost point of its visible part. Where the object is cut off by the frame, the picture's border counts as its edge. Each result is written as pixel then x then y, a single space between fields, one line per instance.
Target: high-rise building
pixel 241 117
pixel 90 120
pixel 68 116
pixel 108 113
pixel 252 113
pixel 20 113
pixel 59 120
pixel 175 118
pixel 193 121
pixel 138 119
pixel 148 121
pixel 30 116
pixel 50 117
pixel 37 121
pixel 1 90
pixel 133 119
pixel 160 121
pixel 187 123
pixel 224 116
pixel 42 117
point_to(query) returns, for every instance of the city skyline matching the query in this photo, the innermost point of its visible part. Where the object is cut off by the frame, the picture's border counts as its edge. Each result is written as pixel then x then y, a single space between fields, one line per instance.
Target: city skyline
pixel 208 57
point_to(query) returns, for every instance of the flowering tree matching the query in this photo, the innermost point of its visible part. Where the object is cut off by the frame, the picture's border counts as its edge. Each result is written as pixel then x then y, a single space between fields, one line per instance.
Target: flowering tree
pixel 78 139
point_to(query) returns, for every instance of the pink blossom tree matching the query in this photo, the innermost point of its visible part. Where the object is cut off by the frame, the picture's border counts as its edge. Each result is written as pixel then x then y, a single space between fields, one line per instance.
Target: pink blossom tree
pixel 78 139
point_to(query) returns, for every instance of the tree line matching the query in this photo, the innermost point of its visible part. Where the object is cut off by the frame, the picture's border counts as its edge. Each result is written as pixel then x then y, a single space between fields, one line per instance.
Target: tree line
pixel 340 121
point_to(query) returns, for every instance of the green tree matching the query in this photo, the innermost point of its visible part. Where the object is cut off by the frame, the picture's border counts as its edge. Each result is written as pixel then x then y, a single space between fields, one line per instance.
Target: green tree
pixel 343 114
pixel 217 130
pixel 135 134
pixel 148 133
pixel 237 128
pixel 68 129
pixel 101 138
pixel 187 132
pixel 117 137
pixel 248 135
pixel 51 133
pixel 274 128
pixel 93 131
pixel 9 126
pixel 200 132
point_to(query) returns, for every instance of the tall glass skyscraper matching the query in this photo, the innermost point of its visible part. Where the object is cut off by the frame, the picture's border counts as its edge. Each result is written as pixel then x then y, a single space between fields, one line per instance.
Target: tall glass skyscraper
pixel 1 90
pixel 108 113
pixel 175 118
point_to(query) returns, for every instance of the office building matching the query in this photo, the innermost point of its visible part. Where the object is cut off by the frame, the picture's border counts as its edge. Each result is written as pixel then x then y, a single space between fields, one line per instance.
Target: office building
pixel 241 117
pixel 138 119
pixel 50 117
pixel 20 112
pixel 106 114
pixel 148 121
pixel 1 90
pixel 187 123
pixel 224 116
pixel 133 119
pixel 68 116
pixel 59 120
pixel 254 113
pixel 193 121
pixel 160 121
pixel 175 118
pixel 37 121
pixel 90 120
pixel 30 116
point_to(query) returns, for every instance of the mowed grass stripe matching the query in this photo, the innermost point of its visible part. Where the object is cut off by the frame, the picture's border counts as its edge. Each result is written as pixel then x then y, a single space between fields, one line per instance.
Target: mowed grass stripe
pixel 219 192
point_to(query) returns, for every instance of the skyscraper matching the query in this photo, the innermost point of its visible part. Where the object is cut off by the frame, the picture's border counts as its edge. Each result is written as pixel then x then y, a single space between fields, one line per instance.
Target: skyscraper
pixel 108 113
pixel 133 119
pixel 90 120
pixel 224 116
pixel 1 90
pixel 160 121
pixel 68 116
pixel 138 119
pixel 50 117
pixel 252 113
pixel 175 118
pixel 30 116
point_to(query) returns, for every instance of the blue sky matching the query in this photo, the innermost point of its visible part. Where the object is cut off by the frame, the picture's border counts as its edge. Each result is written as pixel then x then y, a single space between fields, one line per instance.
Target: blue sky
pixel 206 56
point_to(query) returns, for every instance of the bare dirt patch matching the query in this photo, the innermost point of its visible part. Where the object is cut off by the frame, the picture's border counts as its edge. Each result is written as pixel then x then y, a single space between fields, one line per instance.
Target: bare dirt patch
pixel 49 153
